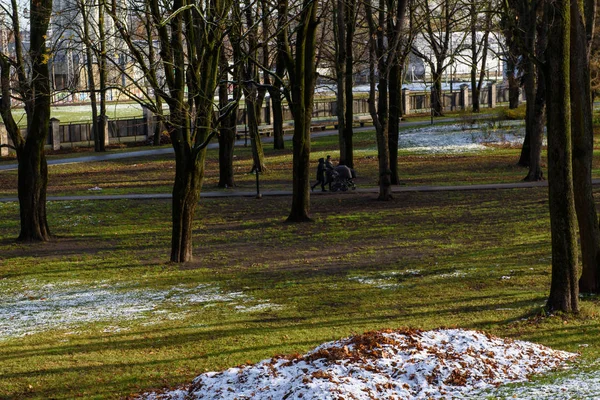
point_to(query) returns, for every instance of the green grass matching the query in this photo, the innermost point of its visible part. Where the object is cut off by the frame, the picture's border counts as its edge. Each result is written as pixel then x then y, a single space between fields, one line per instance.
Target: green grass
pixel 439 259
pixel 423 260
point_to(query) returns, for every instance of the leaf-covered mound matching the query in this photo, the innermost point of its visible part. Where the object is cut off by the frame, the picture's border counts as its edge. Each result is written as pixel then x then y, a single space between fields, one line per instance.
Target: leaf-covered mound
pixel 400 364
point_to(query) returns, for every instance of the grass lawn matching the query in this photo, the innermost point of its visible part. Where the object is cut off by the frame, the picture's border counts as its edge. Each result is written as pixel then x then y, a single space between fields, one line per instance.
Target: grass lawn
pixel 100 313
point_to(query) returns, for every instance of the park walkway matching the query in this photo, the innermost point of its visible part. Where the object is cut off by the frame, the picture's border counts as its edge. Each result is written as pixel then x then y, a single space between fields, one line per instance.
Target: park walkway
pixel 234 193
pixel 238 143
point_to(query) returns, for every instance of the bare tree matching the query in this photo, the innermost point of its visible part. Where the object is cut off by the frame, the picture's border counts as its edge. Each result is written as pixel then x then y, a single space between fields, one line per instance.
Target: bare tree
pixel 564 290
pixel 301 69
pixel 29 68
pixel 244 39
pixel 583 13
pixel 528 33
pixel 443 32
pixel 191 36
pixel 385 38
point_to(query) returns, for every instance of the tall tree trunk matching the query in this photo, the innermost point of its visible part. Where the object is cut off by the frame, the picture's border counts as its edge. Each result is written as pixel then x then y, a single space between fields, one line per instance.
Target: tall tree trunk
pixel 583 147
pixel 159 121
pixel 277 107
pixel 564 291
pixel 395 93
pixel 99 143
pixel 348 133
pixel 530 120
pixel 536 131
pixel 227 130
pixel 276 102
pixel 189 174
pixel 475 88
pixel 339 28
pixel 32 185
pixel 436 92
pixel 302 72
pixel 89 65
pixel 513 85
pixel 258 155
pixel 33 169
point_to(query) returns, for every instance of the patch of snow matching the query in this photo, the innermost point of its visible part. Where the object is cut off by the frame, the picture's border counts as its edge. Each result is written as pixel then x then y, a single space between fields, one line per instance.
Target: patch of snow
pixel 454 274
pixel 407 364
pixel 385 280
pixel 457 138
pixel 258 307
pixel 581 385
pixel 32 307
pixel 381 283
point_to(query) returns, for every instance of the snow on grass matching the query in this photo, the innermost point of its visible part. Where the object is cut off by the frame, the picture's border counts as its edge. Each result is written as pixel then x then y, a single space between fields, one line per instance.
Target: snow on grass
pixel 386 280
pixel 31 307
pixel 581 385
pixel 404 364
pixel 460 138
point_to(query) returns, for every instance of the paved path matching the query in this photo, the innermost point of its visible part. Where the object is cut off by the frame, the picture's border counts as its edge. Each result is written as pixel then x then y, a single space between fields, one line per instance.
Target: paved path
pixel 169 150
pixel 273 193
pixel 233 193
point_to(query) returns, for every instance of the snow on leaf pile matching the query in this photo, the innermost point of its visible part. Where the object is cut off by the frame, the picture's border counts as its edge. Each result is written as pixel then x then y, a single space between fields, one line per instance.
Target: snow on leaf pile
pixel 401 364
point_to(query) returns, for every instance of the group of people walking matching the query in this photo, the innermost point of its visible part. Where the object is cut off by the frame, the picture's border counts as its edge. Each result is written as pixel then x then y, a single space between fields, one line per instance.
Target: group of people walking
pixel 340 176
pixel 324 166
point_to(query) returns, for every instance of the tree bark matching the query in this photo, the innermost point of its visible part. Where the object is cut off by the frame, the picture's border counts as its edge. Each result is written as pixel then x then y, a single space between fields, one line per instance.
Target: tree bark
pixel 513 87
pixel 32 185
pixel 564 292
pixel 395 93
pixel 189 173
pixel 258 155
pixel 302 70
pixel 436 92
pixel 536 132
pixel 32 166
pixel 100 139
pixel 227 131
pixel 349 83
pixel 339 28
pixel 583 147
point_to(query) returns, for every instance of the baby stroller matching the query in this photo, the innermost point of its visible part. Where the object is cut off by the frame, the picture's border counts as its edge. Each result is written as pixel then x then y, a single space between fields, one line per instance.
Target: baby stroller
pixel 340 178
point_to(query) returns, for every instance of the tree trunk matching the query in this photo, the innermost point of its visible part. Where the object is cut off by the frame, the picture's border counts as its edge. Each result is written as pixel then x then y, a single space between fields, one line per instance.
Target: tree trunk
pixel 536 132
pixel 159 121
pixel 513 87
pixel 474 86
pixel 300 211
pixel 436 92
pixel 395 93
pixel 278 142
pixel 564 292
pixel 227 131
pixel 186 194
pixel 89 65
pixel 276 103
pixel 33 169
pixel 530 121
pixel 340 74
pixel 302 76
pixel 99 143
pixel 349 82
pixel 583 147
pixel 258 155
pixel 32 184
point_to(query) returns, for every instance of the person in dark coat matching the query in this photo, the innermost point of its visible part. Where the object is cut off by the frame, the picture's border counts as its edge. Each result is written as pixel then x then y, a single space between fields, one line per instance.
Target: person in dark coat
pixel 320 175
pixel 329 168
